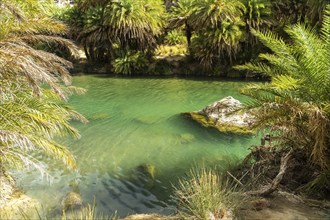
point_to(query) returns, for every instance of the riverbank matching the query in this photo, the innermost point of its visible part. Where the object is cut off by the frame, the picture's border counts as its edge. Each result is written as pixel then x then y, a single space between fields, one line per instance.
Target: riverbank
pixel 165 66
pixel 282 205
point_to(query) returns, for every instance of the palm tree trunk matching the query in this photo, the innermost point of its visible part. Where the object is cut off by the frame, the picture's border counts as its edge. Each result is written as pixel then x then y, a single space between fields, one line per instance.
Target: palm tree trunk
pixel 188 34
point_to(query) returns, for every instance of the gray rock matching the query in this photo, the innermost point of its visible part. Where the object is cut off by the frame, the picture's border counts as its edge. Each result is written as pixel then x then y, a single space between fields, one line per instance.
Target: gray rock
pixel 225 116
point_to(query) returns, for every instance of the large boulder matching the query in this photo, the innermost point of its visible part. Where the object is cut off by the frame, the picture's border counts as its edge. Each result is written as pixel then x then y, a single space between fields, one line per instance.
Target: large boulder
pixel 224 115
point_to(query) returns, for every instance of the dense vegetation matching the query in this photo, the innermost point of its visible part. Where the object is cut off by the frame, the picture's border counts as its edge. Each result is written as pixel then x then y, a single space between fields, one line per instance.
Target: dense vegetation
pixel 128 35
pixel 285 41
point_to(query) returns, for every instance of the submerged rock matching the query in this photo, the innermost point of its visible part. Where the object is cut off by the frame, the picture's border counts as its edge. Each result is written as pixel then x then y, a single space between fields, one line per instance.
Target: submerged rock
pixel 145 173
pixel 7 187
pixel 72 201
pixel 13 203
pixel 21 207
pixel 225 117
pixel 186 138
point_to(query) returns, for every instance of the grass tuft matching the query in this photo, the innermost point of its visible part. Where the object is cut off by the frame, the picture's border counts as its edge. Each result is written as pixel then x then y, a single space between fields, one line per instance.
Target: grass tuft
pixel 206 194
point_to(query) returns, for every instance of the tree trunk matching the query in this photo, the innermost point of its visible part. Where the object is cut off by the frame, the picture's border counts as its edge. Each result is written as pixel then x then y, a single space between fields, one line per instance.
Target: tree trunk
pixel 188 34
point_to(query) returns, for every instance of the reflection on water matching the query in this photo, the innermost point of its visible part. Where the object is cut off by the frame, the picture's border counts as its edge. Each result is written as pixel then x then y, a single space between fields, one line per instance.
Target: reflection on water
pixel 136 122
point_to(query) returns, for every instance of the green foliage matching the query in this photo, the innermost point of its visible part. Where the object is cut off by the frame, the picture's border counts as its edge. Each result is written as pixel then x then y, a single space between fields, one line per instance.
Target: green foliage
pixel 32 114
pixel 257 12
pixel 296 102
pixel 206 195
pixel 218 25
pixel 213 44
pixel 175 37
pixel 130 23
pixel 180 15
pixel 130 62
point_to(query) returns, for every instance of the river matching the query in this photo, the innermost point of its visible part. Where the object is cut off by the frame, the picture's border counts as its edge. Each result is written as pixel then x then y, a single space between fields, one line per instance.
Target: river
pixel 134 122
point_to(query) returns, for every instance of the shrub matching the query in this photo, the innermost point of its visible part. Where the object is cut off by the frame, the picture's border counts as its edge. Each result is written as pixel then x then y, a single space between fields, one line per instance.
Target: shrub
pixel 129 62
pixel 175 37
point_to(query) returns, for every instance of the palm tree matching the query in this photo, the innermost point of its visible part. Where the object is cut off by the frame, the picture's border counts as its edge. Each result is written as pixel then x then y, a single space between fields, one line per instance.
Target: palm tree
pixel 180 16
pixel 218 23
pixel 211 13
pixel 30 114
pixel 132 24
pixel 211 45
pixel 315 10
pixel 296 102
pixel 257 13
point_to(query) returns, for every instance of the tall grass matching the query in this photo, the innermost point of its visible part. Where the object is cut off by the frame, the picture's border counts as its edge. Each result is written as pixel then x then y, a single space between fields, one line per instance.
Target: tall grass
pixel 206 194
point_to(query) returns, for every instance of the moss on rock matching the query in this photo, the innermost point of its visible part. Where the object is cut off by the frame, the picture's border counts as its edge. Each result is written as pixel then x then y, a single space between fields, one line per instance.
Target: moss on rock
pixel 222 127
pixel 223 116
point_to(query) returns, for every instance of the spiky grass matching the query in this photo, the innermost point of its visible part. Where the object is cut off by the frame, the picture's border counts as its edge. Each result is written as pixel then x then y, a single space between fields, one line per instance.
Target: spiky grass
pixel 206 194
pixel 88 213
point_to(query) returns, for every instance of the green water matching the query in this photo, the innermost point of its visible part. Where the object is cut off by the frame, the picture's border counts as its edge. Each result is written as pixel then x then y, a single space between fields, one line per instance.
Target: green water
pixel 134 122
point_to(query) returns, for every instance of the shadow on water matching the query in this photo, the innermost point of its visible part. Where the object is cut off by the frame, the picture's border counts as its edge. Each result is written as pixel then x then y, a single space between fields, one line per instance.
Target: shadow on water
pixel 184 77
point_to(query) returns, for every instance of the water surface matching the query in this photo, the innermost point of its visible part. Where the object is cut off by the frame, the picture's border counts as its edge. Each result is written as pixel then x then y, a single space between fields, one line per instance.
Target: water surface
pixel 134 122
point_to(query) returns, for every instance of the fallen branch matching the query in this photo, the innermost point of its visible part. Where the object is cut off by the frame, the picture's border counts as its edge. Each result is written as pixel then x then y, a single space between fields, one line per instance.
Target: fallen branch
pixel 269 189
pixel 239 182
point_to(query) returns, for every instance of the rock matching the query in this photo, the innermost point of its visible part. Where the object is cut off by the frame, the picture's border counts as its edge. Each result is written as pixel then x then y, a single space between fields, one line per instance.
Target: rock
pixel 22 207
pixel 145 173
pixel 7 187
pixel 223 116
pixel 72 201
pixel 186 138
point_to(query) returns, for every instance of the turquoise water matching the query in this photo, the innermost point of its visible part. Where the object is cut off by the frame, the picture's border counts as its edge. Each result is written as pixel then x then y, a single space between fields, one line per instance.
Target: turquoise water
pixel 134 122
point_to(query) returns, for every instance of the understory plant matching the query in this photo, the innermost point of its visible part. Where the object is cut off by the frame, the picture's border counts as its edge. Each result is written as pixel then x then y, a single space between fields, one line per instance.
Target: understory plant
pixel 207 194
pixel 129 62
pixel 295 105
pixel 175 37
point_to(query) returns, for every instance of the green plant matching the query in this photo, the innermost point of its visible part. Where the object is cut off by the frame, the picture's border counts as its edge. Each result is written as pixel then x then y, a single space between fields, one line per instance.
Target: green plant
pixel 132 24
pixel 296 103
pixel 180 15
pixel 34 86
pixel 130 62
pixel 175 37
pixel 206 194
pixel 257 13
pixel 88 213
